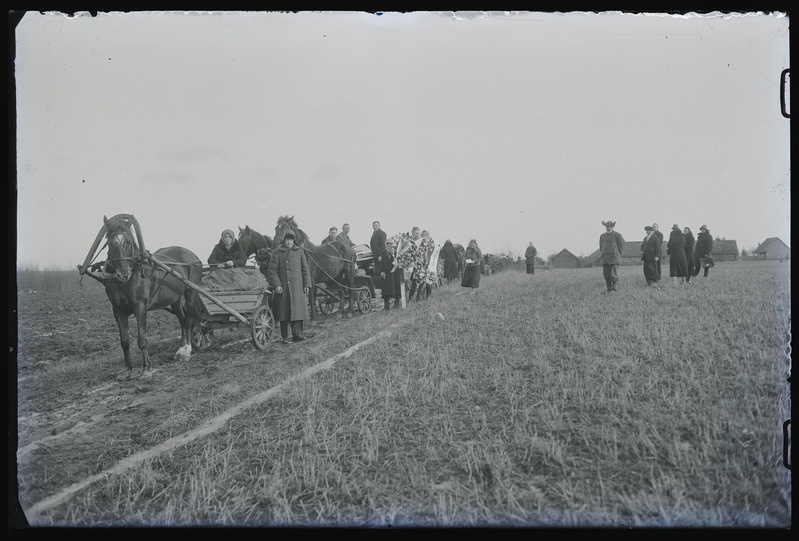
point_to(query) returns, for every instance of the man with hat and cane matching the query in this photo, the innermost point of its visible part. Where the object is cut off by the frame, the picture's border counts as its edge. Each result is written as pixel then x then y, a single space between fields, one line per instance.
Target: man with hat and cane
pixel 611 246
pixel 702 250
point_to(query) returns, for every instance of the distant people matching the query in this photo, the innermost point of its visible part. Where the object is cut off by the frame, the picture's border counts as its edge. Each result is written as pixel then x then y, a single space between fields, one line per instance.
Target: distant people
pixel 471 272
pixel 391 275
pixel 611 246
pixel 289 271
pixel 675 248
pixel 702 249
pixel 344 236
pixel 529 257
pixel 659 235
pixel 651 249
pixel 689 252
pixel 450 256
pixel 227 253
pixel 331 235
pixel 377 243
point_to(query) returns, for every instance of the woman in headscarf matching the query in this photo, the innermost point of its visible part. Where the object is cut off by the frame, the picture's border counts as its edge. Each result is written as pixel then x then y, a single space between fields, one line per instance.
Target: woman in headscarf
pixel 471 274
pixel 678 266
pixel 227 253
pixel 450 257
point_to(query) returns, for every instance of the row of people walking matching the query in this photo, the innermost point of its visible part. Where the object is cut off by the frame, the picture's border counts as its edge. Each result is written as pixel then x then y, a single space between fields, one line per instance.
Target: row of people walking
pixel 686 254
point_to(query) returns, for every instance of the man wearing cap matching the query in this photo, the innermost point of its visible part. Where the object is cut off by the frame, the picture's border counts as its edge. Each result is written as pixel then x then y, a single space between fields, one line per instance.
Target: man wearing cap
pixel 331 235
pixel 289 269
pixel 611 246
pixel 651 249
pixel 659 235
pixel 702 248
pixel 227 253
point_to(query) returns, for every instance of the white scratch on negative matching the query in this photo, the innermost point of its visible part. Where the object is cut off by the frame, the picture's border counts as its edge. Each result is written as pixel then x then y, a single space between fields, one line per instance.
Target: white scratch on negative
pixel 209 427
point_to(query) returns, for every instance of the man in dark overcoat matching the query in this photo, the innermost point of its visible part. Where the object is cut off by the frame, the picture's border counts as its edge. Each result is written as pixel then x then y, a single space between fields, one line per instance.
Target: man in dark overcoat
pixel 377 243
pixel 611 246
pixel 529 257
pixel 289 272
pixel 651 250
pixel 659 235
pixel 702 248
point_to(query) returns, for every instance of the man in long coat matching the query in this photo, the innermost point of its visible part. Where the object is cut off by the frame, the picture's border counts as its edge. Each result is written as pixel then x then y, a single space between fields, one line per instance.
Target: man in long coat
pixel 651 250
pixel 675 247
pixel 377 244
pixel 289 272
pixel 659 235
pixel 529 257
pixel 702 248
pixel 611 246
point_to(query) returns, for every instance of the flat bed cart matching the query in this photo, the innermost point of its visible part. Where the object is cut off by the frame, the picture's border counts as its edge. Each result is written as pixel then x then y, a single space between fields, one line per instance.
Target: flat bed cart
pixel 328 300
pixel 232 309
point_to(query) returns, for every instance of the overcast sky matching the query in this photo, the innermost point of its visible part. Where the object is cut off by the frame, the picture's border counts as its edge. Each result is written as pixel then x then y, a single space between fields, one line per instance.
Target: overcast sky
pixel 504 127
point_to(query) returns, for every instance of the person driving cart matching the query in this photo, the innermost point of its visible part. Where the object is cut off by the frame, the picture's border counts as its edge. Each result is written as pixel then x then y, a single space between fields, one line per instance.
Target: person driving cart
pixel 227 253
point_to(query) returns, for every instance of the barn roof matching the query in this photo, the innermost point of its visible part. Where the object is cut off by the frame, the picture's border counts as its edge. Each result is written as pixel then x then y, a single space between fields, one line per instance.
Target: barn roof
pixel 769 244
pixel 725 247
pixel 566 253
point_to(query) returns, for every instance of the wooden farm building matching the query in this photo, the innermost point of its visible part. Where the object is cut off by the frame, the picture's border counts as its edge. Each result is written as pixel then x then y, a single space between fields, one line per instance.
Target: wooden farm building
pixel 772 248
pixel 725 250
pixel 565 260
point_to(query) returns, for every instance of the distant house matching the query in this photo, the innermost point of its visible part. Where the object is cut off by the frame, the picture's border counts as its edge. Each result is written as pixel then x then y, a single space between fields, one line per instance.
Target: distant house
pixel 772 248
pixel 565 260
pixel 725 250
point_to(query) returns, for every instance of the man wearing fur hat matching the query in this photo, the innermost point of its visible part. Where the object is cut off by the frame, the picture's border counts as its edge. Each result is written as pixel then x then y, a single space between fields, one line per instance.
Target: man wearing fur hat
pixel 227 253
pixel 289 272
pixel 611 246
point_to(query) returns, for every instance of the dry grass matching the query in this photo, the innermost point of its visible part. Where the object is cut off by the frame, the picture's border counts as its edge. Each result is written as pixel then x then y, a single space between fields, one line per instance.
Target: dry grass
pixel 537 401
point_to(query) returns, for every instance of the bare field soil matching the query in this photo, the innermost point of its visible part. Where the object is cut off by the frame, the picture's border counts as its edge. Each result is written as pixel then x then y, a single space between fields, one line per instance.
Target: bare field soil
pixel 80 411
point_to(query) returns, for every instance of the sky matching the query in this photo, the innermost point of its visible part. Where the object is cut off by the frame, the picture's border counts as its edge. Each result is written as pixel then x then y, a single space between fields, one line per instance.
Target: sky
pixel 505 127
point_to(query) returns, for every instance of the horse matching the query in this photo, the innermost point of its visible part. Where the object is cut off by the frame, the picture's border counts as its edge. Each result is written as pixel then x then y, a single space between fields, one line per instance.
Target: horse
pixel 332 264
pixel 136 285
pixel 254 243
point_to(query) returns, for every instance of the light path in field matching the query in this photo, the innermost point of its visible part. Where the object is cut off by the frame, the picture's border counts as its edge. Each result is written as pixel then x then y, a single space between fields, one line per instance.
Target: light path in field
pixel 209 427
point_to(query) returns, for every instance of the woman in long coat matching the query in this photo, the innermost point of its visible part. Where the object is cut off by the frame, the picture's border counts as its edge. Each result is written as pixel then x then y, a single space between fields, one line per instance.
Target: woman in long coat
pixel 689 251
pixel 471 273
pixel 450 261
pixel 291 276
pixel 391 278
pixel 678 265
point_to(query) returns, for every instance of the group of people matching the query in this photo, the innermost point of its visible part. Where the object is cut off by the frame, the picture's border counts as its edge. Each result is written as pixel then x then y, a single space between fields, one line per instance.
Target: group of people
pixel 686 254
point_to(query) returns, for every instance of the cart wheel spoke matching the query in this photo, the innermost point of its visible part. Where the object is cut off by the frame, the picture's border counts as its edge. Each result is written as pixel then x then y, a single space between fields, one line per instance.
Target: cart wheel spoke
pixel 263 325
pixel 364 300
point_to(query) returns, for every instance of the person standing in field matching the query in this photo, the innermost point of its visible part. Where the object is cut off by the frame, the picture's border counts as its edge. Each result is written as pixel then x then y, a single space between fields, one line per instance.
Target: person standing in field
pixel 391 275
pixel 611 246
pixel 450 257
pixel 529 257
pixel 416 242
pixel 227 253
pixel 289 271
pixel 675 248
pixel 689 252
pixel 703 248
pixel 650 254
pixel 378 242
pixel 331 235
pixel 471 272
pixel 659 235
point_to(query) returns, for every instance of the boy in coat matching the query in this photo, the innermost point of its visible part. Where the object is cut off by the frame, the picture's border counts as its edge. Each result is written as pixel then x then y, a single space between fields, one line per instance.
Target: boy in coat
pixel 611 246
pixel 288 269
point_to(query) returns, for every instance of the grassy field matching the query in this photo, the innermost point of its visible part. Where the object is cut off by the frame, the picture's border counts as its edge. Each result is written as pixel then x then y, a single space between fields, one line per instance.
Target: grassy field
pixel 536 401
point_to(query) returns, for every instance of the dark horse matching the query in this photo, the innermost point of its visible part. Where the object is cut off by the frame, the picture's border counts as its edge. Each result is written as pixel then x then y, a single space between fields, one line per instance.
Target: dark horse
pixel 332 264
pixel 137 282
pixel 254 243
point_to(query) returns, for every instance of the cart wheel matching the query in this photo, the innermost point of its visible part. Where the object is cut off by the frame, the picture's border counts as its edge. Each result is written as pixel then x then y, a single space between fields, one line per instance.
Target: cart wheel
pixel 327 306
pixel 202 337
pixel 364 299
pixel 263 324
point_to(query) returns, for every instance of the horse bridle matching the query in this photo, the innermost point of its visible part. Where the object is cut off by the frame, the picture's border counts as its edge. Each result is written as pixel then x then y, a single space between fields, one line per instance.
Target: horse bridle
pixel 121 246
